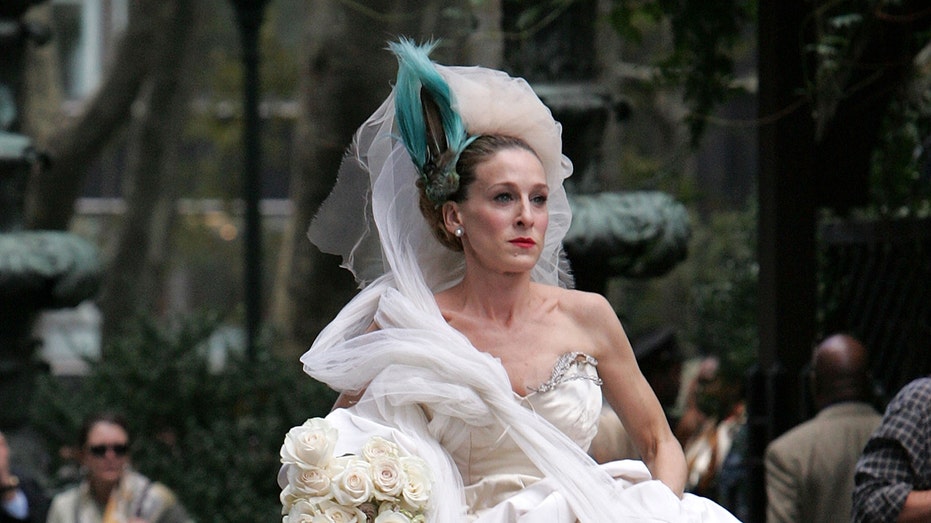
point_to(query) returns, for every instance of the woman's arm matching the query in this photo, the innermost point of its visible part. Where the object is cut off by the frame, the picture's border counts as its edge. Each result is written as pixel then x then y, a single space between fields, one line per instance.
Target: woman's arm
pixel 346 400
pixel 631 396
pixel 917 507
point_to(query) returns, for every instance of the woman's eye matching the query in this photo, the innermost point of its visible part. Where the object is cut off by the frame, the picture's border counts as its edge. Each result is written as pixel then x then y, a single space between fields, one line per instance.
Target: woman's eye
pixel 539 199
pixel 503 197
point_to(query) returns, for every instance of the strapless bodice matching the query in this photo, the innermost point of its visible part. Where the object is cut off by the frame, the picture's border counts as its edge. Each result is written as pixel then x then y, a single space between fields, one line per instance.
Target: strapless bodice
pixel 492 464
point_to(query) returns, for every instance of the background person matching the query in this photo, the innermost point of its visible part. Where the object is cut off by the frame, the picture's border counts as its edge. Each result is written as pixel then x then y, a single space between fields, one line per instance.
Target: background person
pixel 809 469
pixel 893 476
pixel 22 499
pixel 714 414
pixel 111 490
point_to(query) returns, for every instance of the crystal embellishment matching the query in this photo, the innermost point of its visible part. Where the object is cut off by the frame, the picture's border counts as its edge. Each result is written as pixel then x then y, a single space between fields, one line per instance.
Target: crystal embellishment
pixel 565 363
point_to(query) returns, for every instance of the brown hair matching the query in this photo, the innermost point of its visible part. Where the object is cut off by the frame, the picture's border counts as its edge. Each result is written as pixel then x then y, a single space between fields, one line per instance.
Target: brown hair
pixel 101 417
pixel 479 151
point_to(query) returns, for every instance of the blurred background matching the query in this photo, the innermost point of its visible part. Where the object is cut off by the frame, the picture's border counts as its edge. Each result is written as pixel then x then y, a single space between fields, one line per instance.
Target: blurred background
pixel 750 174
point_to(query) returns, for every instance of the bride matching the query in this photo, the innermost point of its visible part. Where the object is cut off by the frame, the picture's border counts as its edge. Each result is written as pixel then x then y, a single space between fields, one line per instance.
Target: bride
pixel 466 345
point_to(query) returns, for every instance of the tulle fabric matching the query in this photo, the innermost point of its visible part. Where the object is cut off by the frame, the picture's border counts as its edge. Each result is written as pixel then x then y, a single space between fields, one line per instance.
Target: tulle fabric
pixel 415 358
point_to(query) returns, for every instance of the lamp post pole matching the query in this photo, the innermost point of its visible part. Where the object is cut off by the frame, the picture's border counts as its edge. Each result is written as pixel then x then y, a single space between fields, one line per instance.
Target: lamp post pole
pixel 249 17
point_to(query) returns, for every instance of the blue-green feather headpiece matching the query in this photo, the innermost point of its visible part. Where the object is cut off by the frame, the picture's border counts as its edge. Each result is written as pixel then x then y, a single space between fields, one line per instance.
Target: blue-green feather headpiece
pixel 432 131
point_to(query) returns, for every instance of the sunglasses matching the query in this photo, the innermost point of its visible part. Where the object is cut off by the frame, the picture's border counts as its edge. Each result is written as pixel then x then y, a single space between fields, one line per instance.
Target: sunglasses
pixel 101 450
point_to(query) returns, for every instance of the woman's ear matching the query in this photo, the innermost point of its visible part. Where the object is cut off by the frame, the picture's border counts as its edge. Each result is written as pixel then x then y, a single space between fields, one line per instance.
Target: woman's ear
pixel 451 217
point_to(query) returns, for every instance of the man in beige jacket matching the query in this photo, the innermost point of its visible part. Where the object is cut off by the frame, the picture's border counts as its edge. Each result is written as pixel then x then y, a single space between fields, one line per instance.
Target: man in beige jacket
pixel 809 469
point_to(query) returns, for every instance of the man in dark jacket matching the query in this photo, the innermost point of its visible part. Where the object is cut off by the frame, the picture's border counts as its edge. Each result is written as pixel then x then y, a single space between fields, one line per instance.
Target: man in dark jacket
pixel 21 498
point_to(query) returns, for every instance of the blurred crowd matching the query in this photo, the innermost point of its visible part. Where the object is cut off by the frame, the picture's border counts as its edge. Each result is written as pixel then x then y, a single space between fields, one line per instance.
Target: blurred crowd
pixel 705 408
pixel 108 489
pixel 849 462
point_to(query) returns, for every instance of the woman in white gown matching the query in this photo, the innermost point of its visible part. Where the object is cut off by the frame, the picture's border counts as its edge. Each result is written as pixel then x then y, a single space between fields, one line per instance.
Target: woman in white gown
pixel 464 345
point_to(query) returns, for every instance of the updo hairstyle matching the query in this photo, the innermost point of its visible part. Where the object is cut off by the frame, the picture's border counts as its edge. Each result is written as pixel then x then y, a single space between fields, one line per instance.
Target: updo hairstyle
pixel 480 150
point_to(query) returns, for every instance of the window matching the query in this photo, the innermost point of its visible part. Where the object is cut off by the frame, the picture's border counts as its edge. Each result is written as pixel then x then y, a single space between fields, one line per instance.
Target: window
pixel 85 33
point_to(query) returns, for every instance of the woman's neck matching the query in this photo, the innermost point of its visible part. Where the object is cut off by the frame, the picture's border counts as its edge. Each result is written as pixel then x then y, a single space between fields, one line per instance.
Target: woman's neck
pixel 101 491
pixel 498 297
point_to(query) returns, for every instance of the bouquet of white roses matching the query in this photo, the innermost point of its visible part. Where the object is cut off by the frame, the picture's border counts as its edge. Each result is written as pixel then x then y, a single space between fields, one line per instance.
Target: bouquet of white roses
pixel 380 486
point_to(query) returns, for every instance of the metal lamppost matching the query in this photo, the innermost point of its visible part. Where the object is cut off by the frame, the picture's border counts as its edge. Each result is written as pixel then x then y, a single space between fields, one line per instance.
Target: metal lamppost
pixel 249 17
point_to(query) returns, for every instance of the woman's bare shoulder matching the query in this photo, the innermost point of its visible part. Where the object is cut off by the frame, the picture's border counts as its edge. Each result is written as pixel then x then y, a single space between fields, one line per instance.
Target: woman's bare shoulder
pixel 581 303
pixel 593 317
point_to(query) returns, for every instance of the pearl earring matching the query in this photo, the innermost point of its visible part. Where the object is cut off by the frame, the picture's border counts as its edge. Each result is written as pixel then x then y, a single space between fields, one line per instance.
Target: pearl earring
pixel 458 232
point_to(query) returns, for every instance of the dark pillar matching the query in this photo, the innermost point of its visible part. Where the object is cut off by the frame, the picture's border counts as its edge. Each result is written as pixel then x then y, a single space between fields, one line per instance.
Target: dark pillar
pixel 249 17
pixel 787 296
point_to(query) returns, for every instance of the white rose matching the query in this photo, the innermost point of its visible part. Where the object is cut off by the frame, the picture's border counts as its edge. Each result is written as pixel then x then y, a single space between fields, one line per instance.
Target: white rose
pixel 388 477
pixel 337 464
pixel 310 444
pixel 310 482
pixel 392 517
pixel 336 513
pixel 352 485
pixel 288 499
pixel 302 512
pixel 377 447
pixel 416 491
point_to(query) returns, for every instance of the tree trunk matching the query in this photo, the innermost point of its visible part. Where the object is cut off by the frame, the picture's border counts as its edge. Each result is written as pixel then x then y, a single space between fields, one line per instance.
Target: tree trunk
pixel 130 283
pixel 348 74
pixel 51 193
pixel 43 100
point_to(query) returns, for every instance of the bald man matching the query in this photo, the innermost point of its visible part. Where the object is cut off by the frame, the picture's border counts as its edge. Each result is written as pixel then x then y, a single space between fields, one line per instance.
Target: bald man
pixel 809 469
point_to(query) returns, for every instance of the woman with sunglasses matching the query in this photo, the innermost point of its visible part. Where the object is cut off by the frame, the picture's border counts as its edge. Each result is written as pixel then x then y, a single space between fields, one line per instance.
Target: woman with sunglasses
pixel 112 492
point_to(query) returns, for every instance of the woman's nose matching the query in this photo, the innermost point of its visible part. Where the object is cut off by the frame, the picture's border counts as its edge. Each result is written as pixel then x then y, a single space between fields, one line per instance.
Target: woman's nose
pixel 525 214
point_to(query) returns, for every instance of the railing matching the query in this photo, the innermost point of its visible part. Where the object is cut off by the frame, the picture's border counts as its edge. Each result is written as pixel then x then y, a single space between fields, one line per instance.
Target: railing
pixel 875 282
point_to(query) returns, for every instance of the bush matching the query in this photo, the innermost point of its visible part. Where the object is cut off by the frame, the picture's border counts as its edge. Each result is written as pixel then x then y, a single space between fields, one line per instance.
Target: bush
pixel 210 432
pixel 723 296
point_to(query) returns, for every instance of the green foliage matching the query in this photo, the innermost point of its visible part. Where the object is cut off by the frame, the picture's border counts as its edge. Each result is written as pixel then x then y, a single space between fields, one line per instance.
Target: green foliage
pixel 711 297
pixel 211 431
pixel 833 52
pixel 723 295
pixel 899 185
pixel 901 164
pixel 705 34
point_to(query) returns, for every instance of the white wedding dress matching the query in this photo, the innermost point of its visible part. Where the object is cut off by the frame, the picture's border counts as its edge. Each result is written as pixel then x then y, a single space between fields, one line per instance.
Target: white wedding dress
pixel 490 470
pixel 494 456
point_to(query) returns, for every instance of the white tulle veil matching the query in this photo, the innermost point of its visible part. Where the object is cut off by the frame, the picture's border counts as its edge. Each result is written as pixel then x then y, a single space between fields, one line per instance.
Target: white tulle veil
pixel 377 170
pixel 415 358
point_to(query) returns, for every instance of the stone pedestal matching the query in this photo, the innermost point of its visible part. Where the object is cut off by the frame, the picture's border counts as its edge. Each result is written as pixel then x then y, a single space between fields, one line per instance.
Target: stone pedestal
pixel 39 270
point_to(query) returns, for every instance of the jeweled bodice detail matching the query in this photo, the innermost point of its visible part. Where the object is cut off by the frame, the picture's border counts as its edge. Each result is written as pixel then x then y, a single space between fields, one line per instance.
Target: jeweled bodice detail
pixel 563 371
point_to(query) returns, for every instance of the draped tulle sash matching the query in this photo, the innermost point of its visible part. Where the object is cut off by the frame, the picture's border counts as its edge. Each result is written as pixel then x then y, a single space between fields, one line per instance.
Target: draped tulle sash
pixel 416 359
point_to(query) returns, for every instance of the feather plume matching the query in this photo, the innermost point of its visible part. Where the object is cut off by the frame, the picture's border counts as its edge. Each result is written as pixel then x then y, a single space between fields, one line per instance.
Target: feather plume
pixel 432 131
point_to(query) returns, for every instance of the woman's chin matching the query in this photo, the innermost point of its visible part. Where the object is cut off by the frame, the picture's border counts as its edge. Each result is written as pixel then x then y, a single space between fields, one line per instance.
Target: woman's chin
pixel 110 476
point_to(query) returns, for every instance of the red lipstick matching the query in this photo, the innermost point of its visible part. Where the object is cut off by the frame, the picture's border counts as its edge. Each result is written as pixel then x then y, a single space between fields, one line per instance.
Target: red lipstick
pixel 526 243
